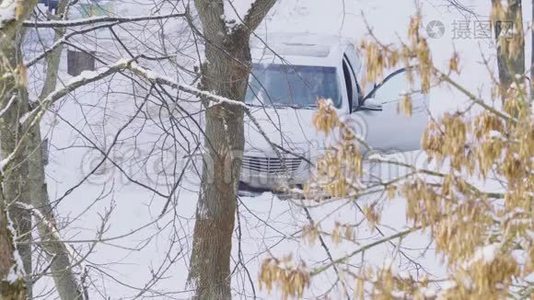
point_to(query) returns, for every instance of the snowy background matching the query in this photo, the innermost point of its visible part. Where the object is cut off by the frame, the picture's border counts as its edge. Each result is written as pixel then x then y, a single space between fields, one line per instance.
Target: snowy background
pixel 139 244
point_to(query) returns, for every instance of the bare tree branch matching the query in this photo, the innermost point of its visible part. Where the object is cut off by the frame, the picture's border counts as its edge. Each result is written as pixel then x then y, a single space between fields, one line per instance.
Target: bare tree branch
pixel 257 12
pixel 96 20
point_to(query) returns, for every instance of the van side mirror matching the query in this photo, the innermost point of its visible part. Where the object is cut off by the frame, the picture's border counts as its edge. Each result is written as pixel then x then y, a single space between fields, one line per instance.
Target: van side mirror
pixel 370 104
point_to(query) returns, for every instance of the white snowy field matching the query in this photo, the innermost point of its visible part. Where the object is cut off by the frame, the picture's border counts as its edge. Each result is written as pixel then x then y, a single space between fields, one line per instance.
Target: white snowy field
pixel 138 245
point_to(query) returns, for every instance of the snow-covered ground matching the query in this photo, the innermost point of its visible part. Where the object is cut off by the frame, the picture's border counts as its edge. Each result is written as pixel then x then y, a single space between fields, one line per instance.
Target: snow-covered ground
pixel 139 245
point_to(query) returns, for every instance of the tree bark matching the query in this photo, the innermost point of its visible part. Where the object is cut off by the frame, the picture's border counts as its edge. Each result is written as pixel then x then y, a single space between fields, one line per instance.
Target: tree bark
pixel 64 277
pixel 225 73
pixel 12 177
pixel 15 178
pixel 10 288
pixel 532 54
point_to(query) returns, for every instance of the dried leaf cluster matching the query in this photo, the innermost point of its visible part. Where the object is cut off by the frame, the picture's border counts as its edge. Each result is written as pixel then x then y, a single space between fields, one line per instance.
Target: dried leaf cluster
pixel 291 279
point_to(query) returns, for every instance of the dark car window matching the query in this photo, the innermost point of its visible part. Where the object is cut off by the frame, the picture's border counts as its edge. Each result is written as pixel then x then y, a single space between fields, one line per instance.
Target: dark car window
pixel 290 85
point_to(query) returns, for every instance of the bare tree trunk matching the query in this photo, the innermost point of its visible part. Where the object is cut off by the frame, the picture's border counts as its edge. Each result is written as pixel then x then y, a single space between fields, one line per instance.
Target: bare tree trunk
pixel 15 178
pixel 225 73
pixel 510 44
pixel 65 279
pixel 10 288
pixel 14 170
pixel 532 54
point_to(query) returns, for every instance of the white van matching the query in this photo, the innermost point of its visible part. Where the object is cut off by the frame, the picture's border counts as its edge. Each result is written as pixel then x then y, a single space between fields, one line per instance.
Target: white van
pixel 290 72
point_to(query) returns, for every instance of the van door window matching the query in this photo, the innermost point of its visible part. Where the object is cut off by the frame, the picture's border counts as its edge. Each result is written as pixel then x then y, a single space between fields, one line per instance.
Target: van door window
pixel 358 91
pixel 350 82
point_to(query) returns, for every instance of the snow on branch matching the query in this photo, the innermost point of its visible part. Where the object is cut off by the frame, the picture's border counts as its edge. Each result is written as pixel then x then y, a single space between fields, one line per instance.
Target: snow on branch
pixel 64 40
pixel 74 83
pixel 8 9
pixel 4 162
pixel 86 77
pixel 54 236
pixel 8 105
pixel 153 77
pixel 93 20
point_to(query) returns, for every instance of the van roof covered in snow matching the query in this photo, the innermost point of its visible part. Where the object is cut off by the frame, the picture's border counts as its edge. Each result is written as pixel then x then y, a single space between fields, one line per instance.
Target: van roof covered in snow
pixel 299 48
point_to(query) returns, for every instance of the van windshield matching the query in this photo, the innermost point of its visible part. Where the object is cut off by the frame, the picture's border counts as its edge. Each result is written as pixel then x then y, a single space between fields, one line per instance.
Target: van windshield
pixel 292 86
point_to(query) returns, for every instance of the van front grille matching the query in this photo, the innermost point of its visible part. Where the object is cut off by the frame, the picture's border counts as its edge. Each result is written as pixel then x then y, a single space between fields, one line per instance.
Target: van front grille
pixel 271 165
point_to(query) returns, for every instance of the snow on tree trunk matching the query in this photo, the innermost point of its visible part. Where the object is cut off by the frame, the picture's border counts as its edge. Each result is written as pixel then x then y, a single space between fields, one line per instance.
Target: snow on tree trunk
pixel 14 171
pixel 12 285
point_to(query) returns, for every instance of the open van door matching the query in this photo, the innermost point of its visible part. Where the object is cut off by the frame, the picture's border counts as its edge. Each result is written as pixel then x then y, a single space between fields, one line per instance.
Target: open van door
pixel 385 128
